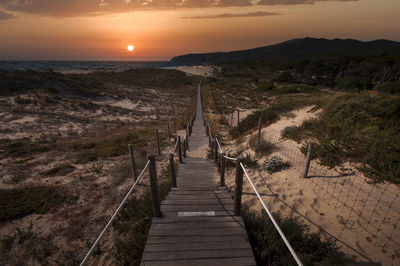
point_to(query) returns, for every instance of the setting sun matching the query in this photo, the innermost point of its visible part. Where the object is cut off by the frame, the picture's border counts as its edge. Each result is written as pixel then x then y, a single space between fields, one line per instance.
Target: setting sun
pixel 130 48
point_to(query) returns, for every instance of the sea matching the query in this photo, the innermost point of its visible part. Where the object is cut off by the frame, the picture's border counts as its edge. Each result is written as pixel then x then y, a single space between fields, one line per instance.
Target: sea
pixel 71 67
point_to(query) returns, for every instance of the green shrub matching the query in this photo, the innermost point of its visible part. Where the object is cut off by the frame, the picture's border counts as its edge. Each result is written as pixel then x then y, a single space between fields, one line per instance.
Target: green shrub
pixel 17 203
pixel 61 170
pixel 270 249
pixel 290 132
pixel 361 129
pixel 390 87
pixel 274 164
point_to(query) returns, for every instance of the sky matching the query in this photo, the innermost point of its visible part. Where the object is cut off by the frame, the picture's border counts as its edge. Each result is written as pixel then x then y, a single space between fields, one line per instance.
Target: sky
pixel 161 29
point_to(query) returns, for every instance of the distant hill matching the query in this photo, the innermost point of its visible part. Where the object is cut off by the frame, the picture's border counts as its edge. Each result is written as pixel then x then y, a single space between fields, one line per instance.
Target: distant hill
pixel 292 49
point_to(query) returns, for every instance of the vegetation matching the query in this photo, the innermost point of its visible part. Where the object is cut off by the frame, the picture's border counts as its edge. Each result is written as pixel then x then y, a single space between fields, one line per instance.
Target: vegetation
pixel 357 128
pixel 269 114
pixel 274 164
pixel 17 203
pixel 133 224
pixel 271 250
pixel 265 147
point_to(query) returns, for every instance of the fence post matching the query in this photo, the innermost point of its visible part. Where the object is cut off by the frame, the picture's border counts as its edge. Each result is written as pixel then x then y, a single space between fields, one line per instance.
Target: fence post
pixel 172 169
pixel 308 160
pixel 259 134
pixel 232 119
pixel 169 131
pixel 222 170
pixel 238 187
pixel 206 128
pixel 158 142
pixel 215 147
pixel 184 148
pixel 187 140
pixel 238 120
pixel 174 126
pixel 180 149
pixel 133 163
pixel 153 184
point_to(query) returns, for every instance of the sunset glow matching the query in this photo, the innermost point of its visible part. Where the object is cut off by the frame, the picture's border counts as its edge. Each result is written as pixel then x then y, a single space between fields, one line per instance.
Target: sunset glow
pixel 130 48
pixel 164 30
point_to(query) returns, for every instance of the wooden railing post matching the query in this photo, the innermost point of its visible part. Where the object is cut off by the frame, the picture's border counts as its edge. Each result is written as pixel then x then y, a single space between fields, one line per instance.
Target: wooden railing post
pixel 180 149
pixel 158 142
pixel 184 148
pixel 174 126
pixel 133 163
pixel 172 169
pixel 215 147
pixel 222 170
pixel 232 119
pixel 187 140
pixel 308 160
pixel 206 124
pixel 169 131
pixel 259 134
pixel 238 187
pixel 238 120
pixel 153 184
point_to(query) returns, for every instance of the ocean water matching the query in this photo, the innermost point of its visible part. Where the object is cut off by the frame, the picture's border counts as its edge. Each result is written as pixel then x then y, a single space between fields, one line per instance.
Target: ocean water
pixel 79 66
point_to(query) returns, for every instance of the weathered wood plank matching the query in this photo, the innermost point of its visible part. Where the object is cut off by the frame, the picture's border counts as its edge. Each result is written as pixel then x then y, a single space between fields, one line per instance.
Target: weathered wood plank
pixel 197 208
pixel 197 232
pixel 195 224
pixel 195 239
pixel 196 246
pixel 196 254
pixel 244 261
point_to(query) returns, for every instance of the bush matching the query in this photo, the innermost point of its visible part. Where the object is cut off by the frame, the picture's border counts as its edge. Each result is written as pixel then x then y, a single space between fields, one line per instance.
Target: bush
pixel 265 147
pixel 290 132
pixel 270 249
pixel 390 87
pixel 17 203
pixel 274 164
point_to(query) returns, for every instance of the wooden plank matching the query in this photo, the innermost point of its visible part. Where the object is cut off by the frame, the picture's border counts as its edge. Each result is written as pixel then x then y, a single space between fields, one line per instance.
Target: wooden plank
pixel 168 214
pixel 205 201
pixel 198 232
pixel 244 261
pixel 196 254
pixel 177 225
pixel 199 197
pixel 196 208
pixel 196 246
pixel 216 219
pixel 195 239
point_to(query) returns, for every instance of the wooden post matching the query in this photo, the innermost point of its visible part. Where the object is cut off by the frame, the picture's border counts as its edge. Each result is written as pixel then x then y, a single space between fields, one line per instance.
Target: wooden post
pixel 174 126
pixel 222 170
pixel 180 149
pixel 187 140
pixel 184 148
pixel 153 185
pixel 238 120
pixel 259 134
pixel 308 160
pixel 158 142
pixel 172 169
pixel 232 119
pixel 215 149
pixel 207 129
pixel 238 187
pixel 169 131
pixel 133 164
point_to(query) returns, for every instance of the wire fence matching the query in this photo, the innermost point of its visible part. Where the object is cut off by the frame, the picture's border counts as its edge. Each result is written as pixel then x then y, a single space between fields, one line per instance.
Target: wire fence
pixel 375 207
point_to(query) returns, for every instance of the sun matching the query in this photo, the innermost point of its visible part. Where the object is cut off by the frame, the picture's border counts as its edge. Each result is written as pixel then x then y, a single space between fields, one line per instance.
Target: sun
pixel 130 47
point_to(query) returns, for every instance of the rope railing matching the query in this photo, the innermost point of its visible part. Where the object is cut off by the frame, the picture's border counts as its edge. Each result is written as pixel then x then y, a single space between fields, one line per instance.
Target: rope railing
pixel 153 177
pixel 114 215
pixel 239 184
pixel 296 258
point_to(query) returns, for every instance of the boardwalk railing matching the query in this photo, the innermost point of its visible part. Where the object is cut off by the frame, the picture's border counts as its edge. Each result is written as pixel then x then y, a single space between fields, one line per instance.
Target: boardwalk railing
pixel 216 148
pixel 150 164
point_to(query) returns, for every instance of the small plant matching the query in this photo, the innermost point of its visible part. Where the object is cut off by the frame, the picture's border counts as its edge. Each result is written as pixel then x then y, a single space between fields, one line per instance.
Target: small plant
pixel 290 132
pixel 96 167
pixel 274 164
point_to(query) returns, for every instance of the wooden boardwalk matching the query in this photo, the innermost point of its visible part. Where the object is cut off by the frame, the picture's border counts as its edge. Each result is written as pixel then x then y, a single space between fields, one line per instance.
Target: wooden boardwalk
pixel 198 226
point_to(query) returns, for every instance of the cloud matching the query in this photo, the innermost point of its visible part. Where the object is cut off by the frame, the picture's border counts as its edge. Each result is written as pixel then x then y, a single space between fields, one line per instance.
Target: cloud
pixel 243 15
pixel 5 15
pixel 71 8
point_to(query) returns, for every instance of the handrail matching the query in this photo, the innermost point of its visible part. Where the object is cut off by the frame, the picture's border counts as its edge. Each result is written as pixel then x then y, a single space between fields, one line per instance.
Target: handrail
pixel 296 258
pixel 176 145
pixel 113 217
